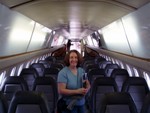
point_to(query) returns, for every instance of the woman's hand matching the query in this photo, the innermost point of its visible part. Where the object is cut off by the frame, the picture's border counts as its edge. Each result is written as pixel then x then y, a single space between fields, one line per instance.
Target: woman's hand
pixel 82 91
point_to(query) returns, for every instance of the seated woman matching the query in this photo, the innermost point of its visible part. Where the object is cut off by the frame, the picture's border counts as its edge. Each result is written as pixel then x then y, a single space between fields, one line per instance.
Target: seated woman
pixel 70 82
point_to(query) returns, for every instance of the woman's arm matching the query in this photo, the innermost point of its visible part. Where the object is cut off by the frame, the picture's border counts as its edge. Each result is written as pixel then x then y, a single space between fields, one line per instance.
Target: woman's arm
pixel 88 86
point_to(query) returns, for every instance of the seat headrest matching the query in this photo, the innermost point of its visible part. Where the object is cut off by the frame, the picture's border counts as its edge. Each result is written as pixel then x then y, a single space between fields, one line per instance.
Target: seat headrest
pixel 135 81
pixel 119 72
pixel 118 98
pixel 3 103
pixel 14 80
pixel 28 98
pixel 29 71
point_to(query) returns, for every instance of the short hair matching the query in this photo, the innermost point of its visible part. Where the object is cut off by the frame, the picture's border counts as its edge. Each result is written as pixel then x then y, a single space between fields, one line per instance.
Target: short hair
pixel 66 60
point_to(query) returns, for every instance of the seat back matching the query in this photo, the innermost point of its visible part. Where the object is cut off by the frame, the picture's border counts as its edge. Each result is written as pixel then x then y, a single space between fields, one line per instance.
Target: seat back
pixel 3 103
pixel 28 102
pixel 117 102
pixel 51 72
pixel 39 68
pixel 94 73
pixel 99 59
pixel 100 86
pixel 146 104
pixel 110 67
pixel 47 64
pixel 138 89
pixel 90 66
pixel 11 85
pixel 48 86
pixel 103 64
pixel 51 59
pixel 57 65
pixel 120 75
pixel 87 62
pixel 29 75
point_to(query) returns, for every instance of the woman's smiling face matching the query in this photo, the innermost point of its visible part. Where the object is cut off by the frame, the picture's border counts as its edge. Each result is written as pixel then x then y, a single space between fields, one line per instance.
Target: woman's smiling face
pixel 73 59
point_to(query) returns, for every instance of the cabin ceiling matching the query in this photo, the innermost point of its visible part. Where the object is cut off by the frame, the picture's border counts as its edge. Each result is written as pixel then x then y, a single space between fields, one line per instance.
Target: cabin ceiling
pixel 82 16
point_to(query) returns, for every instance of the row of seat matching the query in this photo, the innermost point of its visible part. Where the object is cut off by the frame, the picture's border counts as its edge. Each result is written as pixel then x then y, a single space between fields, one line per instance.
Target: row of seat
pixel 97 95
pixel 120 75
pixel 46 85
pixel 117 103
pixel 105 77
pixel 25 102
pixel 135 86
pixel 30 74
pixel 106 69
pixel 122 102
pixel 43 67
pixel 107 66
pixel 39 77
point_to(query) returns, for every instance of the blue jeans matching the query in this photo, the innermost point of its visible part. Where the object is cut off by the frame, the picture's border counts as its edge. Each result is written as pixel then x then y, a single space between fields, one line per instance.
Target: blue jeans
pixel 76 109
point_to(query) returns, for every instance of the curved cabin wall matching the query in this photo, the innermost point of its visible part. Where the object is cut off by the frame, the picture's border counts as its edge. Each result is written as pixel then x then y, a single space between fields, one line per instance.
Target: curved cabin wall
pixel 10 61
pixel 140 64
pixel 7 62
pixel 20 34
pixel 130 34
pixel 21 39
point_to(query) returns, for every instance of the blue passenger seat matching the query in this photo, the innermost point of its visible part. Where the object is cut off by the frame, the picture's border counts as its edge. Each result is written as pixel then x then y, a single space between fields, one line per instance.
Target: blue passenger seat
pixel 103 64
pixel 90 66
pixel 11 85
pixel 47 64
pixel 51 59
pixel 28 102
pixel 29 75
pixel 138 89
pixel 87 62
pixel 109 68
pixel 120 75
pixel 3 103
pixel 146 104
pixel 51 72
pixel 94 73
pixel 39 68
pixel 57 65
pixel 117 102
pixel 100 86
pixel 99 59
pixel 48 86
